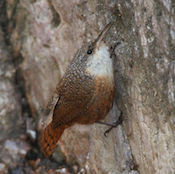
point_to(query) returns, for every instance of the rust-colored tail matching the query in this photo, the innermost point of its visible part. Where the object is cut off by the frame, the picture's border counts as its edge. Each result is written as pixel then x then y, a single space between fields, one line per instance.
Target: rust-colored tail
pixel 49 139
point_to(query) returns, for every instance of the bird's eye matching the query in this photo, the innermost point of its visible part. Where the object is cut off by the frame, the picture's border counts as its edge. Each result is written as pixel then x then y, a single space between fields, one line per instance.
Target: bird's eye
pixel 89 51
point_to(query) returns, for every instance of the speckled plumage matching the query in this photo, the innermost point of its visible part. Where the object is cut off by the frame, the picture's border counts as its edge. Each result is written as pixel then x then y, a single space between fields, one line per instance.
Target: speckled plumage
pixel 85 93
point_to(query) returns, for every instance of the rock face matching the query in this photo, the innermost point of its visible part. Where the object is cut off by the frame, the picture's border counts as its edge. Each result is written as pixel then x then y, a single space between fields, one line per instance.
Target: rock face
pixel 10 111
pixel 45 35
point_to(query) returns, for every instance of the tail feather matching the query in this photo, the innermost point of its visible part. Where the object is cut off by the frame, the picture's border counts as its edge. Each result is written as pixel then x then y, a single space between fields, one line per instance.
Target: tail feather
pixel 49 139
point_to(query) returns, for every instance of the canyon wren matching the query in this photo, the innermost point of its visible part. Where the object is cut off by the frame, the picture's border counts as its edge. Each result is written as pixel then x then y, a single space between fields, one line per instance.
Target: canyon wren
pixel 85 93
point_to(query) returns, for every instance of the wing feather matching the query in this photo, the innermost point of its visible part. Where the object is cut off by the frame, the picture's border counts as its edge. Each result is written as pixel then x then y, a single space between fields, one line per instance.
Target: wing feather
pixel 75 92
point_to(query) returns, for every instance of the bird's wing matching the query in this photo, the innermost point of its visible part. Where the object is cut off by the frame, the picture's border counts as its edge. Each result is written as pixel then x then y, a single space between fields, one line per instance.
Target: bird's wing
pixel 74 95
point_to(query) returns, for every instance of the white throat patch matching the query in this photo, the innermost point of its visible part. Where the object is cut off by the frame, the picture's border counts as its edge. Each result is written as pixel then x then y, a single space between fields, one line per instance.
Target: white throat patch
pixel 100 63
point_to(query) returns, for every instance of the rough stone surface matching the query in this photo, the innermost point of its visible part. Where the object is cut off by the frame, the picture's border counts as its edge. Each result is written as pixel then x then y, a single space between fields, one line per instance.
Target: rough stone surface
pixel 45 34
pixel 10 109
pixel 13 145
pixel 147 71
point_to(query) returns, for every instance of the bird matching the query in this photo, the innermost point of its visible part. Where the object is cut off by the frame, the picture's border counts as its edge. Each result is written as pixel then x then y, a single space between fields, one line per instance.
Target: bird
pixel 85 92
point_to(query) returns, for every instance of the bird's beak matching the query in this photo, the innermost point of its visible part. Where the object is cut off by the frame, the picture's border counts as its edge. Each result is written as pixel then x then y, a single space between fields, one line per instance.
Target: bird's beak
pixel 103 33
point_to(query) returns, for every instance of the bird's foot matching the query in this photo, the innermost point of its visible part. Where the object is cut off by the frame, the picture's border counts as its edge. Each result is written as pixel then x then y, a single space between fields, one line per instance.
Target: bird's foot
pixel 112 125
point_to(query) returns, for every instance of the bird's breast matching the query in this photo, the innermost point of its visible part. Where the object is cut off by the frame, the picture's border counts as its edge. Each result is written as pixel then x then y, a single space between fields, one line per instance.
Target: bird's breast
pixel 100 63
